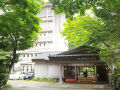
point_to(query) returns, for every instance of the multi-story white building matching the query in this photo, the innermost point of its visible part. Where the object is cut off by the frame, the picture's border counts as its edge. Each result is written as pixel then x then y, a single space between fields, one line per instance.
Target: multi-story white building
pixel 49 39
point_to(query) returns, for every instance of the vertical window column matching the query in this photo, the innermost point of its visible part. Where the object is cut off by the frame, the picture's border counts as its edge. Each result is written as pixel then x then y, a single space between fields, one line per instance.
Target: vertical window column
pixel 23 68
pixel 27 68
pixel 31 68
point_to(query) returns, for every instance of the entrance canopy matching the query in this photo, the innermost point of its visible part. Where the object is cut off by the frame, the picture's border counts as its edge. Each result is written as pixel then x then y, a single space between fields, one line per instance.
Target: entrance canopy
pixel 81 55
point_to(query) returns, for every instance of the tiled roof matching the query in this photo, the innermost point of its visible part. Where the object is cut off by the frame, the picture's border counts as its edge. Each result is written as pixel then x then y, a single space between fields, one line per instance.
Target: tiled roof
pixel 44 55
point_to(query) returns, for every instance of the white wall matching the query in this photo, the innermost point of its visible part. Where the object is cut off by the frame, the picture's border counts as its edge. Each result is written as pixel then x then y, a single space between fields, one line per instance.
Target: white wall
pixel 27 68
pixel 60 43
pixel 41 70
pixel 54 71
pixel 44 70
pixel 50 40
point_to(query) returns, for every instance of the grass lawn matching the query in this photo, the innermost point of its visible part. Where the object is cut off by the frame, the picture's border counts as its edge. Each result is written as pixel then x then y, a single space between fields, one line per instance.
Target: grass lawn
pixel 2 57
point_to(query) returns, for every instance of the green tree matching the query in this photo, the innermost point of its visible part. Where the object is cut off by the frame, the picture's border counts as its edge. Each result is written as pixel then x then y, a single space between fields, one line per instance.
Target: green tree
pixel 102 31
pixel 19 25
pixel 84 30
pixel 102 8
pixel 107 10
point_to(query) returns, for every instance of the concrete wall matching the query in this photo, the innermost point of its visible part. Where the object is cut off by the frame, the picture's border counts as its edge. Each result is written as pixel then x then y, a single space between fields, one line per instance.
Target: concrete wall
pixel 44 70
pixel 59 43
pixel 27 67
pixel 50 38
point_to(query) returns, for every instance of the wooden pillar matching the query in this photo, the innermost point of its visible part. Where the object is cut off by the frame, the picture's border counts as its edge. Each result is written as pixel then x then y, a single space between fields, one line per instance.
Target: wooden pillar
pixel 96 73
pixel 61 81
pixel 75 73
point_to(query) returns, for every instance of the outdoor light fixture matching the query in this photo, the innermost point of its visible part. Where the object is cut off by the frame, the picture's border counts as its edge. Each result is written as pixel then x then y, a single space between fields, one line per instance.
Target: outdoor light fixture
pixel 85 67
pixel 65 68
pixel 106 68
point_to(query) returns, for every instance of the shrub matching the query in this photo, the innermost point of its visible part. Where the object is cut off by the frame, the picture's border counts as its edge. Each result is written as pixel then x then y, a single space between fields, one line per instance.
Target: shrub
pixel 8 86
pixel 4 71
pixel 46 79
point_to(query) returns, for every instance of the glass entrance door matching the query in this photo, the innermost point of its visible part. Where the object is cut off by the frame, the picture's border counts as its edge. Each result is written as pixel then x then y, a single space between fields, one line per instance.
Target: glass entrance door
pixel 69 73
pixel 85 73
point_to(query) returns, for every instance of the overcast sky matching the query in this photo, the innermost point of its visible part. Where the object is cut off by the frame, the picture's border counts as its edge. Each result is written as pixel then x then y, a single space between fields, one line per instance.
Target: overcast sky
pixel 45 0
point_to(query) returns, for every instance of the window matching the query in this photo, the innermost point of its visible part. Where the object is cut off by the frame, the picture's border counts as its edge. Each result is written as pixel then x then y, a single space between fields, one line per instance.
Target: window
pixel 44 10
pixel 31 68
pixel 31 55
pixel 35 54
pixel 49 34
pixel 44 34
pixel 86 71
pixel 23 68
pixel 40 44
pixel 44 44
pixel 43 24
pixel 23 55
pixel 27 68
pixel 50 44
pixel 13 68
pixel 27 55
pixel 36 44
pixel 50 24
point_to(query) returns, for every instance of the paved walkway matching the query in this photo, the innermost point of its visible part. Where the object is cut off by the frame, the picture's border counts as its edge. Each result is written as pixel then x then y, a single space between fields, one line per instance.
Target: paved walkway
pixel 35 85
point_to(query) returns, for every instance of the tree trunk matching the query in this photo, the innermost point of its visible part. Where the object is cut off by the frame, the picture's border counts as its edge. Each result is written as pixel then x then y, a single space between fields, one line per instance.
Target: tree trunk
pixel 14 44
pixel 105 43
pixel 13 60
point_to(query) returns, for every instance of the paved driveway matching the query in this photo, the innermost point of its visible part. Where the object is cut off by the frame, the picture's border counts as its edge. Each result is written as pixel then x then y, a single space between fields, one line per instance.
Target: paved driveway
pixel 35 85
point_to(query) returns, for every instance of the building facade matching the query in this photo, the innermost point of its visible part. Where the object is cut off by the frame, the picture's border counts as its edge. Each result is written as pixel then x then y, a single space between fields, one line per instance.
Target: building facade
pixel 81 65
pixel 49 39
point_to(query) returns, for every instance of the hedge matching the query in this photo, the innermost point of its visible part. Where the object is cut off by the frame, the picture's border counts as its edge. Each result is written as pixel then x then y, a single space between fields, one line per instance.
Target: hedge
pixel 4 71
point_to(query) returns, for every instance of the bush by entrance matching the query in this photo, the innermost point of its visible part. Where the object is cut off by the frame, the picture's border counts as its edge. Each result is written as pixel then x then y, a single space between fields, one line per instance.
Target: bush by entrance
pixel 4 71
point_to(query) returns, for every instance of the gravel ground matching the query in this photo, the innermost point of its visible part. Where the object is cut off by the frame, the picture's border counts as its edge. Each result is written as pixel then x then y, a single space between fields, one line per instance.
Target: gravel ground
pixel 35 85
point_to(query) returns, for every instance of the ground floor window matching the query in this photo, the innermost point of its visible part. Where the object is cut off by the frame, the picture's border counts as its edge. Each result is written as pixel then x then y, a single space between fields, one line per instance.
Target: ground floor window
pixel 90 73
pixel 79 73
pixel 85 71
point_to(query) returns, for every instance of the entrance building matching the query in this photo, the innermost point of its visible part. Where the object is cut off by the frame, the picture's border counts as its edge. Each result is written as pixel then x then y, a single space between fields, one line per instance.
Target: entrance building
pixel 85 74
pixel 80 65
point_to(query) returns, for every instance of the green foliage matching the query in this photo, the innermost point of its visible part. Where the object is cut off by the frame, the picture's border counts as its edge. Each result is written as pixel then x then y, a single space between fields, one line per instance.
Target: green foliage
pixel 71 46
pixel 106 10
pixel 4 71
pixel 2 57
pixel 102 31
pixel 19 29
pixel 8 86
pixel 70 7
pixel 107 55
pixel 115 76
pixel 18 69
pixel 102 8
pixel 46 79
pixel 19 25
pixel 84 30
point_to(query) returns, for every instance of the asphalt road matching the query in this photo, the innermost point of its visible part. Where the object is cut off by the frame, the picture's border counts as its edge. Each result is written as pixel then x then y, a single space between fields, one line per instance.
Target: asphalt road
pixel 35 85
